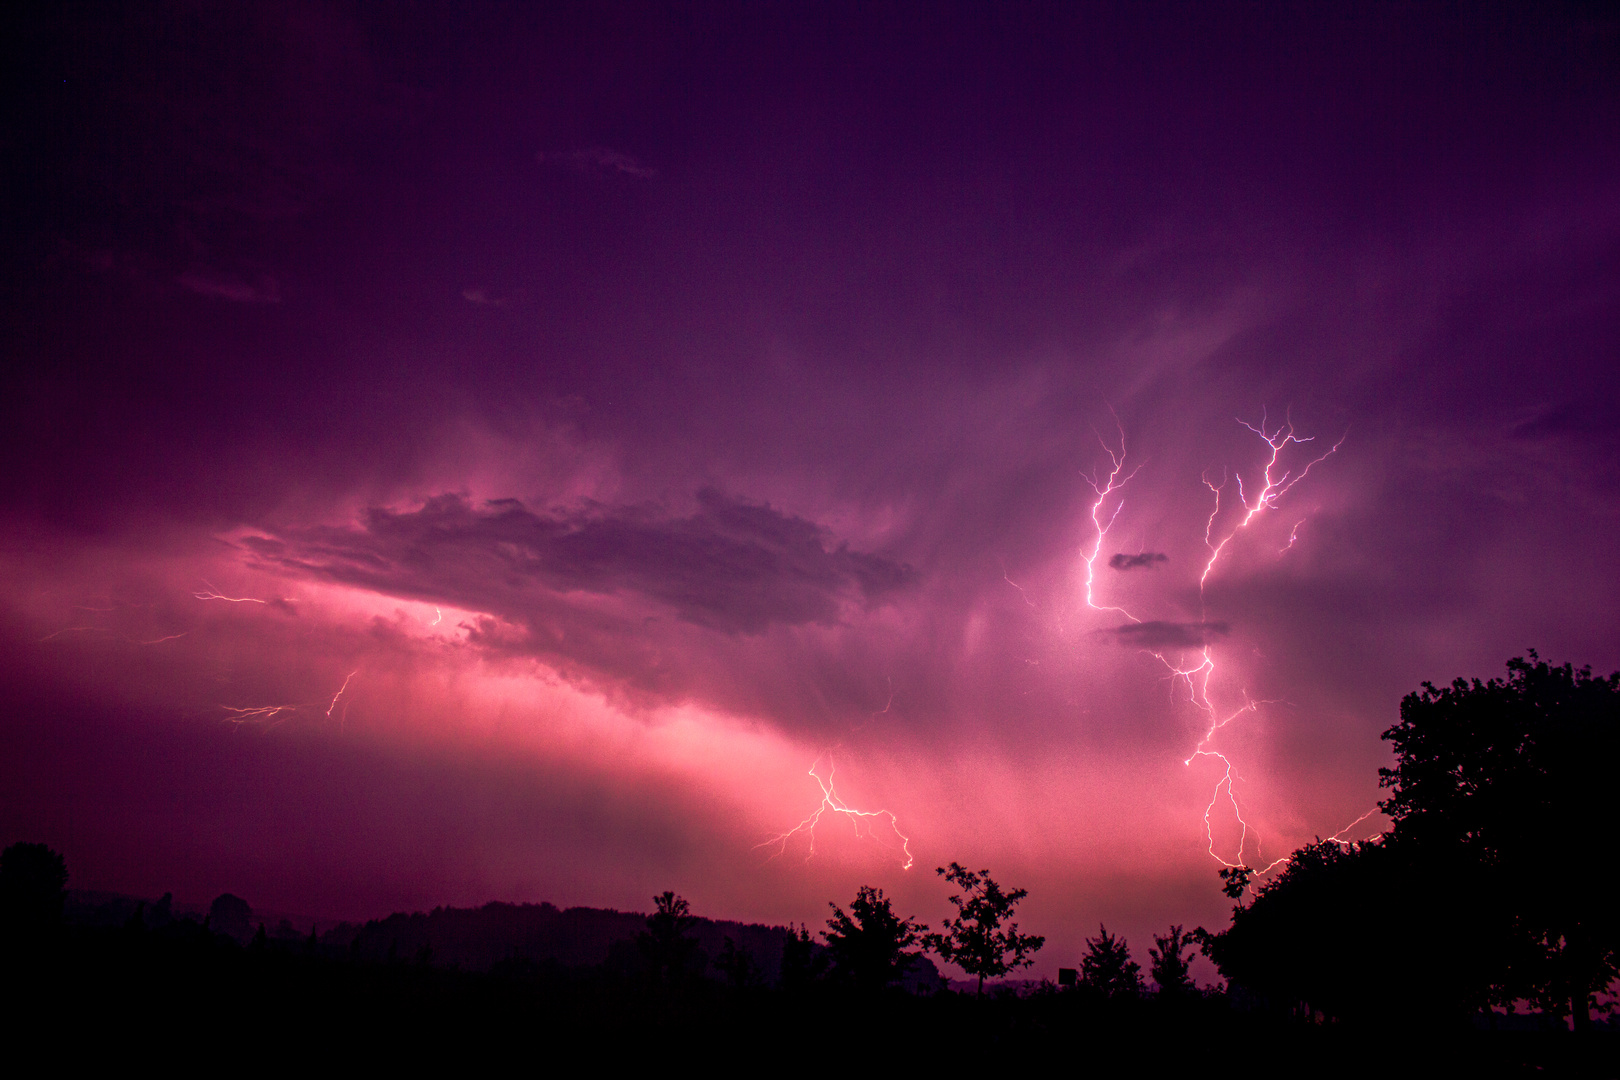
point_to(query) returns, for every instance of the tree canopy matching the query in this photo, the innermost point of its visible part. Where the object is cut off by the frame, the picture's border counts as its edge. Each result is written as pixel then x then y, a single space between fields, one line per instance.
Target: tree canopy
pixel 871 945
pixel 1487 889
pixel 1516 775
pixel 1171 965
pixel 975 940
pixel 1107 966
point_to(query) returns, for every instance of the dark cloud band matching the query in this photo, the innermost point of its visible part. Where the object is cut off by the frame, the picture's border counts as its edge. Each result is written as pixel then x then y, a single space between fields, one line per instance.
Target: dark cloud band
pixel 1170 635
pixel 732 566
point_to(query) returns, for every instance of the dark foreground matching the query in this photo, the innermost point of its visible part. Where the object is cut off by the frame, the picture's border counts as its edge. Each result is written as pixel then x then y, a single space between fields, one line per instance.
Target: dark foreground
pixel 123 996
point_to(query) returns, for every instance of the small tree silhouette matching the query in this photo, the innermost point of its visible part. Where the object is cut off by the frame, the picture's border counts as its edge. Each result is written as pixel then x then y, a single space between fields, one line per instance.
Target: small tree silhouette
pixel 870 945
pixel 670 953
pixel 974 940
pixel 1170 966
pixel 1107 966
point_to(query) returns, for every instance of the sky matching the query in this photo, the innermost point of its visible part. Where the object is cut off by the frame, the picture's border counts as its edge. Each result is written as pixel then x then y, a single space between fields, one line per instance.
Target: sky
pixel 550 452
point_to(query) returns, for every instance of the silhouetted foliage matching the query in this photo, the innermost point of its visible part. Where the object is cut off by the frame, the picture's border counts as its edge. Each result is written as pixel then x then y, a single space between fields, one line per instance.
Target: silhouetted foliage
pixel 1107 966
pixel 1170 963
pixel 1400 942
pixel 870 946
pixel 975 940
pixel 671 952
pixel 737 965
pixel 33 888
pixel 230 915
pixel 1235 880
pixel 1485 891
pixel 1516 776
pixel 803 961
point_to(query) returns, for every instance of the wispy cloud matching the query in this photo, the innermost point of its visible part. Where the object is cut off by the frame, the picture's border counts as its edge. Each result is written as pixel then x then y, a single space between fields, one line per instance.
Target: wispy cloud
pixel 264 290
pixel 598 159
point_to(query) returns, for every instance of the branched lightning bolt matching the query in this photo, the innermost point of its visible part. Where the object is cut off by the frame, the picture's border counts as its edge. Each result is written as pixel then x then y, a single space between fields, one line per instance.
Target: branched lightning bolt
pixel 1104 487
pixel 1273 488
pixel 831 802
pixel 1197 676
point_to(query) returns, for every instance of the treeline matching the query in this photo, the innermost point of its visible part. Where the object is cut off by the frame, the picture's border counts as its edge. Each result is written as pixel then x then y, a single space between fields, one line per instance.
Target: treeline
pixel 1487 897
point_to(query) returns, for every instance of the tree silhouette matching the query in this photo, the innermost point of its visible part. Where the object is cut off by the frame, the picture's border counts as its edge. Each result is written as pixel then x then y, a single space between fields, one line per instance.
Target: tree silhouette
pixel 1514 776
pixel 1171 965
pixel 1486 890
pixel 1107 966
pixel 871 945
pixel 670 953
pixel 802 962
pixel 230 915
pixel 33 888
pixel 1413 933
pixel 974 940
pixel 737 965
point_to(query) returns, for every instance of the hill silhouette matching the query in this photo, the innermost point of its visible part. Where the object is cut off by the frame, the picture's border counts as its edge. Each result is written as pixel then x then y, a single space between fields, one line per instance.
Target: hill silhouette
pixel 478 939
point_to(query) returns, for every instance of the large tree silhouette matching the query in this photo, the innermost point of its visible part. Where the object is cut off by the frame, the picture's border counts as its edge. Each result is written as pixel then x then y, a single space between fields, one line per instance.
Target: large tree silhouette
pixel 975 940
pixel 871 945
pixel 1516 777
pixel 1362 931
pixel 1488 889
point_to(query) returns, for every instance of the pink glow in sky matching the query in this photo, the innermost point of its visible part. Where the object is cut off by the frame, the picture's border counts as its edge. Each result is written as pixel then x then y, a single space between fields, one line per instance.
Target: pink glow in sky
pixel 498 453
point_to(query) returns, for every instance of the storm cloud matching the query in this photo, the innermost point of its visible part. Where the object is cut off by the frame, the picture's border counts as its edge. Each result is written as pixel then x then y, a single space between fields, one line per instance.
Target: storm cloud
pixel 795 346
pixel 732 566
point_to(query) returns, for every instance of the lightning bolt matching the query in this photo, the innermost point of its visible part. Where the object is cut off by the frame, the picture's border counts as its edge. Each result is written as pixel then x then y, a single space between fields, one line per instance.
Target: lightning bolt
pixel 339 694
pixel 1275 482
pixel 276 714
pixel 211 594
pixel 1271 490
pixel 1105 487
pixel 831 803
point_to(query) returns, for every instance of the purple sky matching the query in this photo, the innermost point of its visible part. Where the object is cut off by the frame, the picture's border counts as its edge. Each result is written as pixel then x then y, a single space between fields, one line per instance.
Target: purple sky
pixel 630 409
